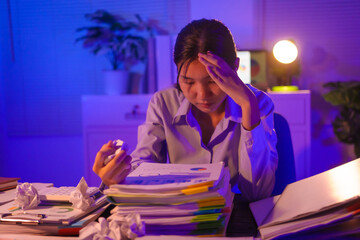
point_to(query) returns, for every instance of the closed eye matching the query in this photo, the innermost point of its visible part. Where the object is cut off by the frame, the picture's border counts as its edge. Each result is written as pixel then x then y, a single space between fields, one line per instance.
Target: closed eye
pixel 187 80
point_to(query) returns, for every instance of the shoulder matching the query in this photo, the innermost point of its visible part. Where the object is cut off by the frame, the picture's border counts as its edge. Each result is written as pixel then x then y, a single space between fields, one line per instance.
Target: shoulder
pixel 266 105
pixel 169 98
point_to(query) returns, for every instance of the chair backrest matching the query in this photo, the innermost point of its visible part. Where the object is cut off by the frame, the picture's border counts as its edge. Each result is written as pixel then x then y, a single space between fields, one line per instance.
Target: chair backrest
pixel 285 172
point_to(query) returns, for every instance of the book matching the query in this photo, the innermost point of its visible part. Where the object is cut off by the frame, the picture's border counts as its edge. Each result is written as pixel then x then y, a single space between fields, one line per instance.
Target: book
pixel 8 183
pixel 321 201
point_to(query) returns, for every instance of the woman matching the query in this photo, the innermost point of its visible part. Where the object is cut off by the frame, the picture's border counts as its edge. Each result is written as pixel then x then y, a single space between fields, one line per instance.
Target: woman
pixel 210 116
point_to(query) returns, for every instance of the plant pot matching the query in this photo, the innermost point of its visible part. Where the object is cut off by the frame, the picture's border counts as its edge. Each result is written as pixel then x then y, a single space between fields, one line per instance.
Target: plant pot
pixel 115 82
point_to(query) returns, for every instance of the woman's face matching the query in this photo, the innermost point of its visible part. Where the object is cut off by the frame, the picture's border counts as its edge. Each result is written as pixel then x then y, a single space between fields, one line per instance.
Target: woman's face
pixel 198 87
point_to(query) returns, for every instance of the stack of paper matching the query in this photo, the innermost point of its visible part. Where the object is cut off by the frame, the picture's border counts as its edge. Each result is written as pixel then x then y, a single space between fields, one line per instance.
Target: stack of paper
pixel 72 229
pixel 314 206
pixel 47 219
pixel 176 199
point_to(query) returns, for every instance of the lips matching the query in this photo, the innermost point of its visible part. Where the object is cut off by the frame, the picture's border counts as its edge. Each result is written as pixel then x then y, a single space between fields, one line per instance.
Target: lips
pixel 205 105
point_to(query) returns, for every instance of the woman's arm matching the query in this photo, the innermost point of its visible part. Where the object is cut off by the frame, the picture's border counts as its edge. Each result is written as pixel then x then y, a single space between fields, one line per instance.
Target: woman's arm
pixel 151 146
pixel 258 157
pixel 227 79
pixel 257 150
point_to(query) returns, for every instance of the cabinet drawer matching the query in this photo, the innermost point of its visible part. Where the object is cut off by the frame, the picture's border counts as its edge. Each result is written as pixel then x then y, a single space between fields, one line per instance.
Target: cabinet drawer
pixel 114 110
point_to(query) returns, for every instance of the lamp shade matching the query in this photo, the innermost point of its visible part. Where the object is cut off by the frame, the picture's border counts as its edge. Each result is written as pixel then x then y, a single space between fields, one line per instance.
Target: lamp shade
pixel 285 51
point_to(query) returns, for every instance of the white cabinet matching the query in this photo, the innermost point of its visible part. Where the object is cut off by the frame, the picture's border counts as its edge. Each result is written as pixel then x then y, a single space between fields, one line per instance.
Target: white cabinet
pixel 117 117
pixel 295 107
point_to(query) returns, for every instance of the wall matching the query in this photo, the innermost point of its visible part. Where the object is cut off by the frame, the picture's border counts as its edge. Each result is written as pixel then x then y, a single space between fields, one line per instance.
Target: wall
pixel 328 51
pixel 240 16
pixel 5 53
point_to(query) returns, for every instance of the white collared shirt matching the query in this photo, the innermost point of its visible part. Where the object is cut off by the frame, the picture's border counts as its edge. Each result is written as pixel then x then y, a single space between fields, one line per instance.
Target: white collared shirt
pixel 172 134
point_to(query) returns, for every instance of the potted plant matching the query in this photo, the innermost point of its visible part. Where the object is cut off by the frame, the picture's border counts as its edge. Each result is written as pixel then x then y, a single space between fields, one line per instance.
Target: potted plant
pixel 123 42
pixel 346 125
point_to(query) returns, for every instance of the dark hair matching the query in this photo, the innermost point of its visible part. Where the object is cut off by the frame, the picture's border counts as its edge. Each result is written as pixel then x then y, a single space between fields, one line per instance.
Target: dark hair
pixel 201 36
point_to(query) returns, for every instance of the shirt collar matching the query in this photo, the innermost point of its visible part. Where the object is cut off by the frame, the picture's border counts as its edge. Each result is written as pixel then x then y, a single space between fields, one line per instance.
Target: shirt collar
pixel 183 110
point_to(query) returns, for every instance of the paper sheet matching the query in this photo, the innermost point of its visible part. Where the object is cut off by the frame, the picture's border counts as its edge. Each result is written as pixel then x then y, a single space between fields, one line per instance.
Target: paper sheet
pixel 158 176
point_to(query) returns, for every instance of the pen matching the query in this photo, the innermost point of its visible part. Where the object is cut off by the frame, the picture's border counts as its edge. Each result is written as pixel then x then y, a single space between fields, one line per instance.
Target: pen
pixel 10 217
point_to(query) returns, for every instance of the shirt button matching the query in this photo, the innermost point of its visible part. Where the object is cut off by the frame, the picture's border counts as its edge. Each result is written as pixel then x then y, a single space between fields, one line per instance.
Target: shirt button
pixel 249 143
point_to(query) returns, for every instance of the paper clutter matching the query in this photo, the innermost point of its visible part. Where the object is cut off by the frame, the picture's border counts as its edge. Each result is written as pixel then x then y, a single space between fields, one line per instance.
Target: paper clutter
pixel 176 199
pixel 80 198
pixel 131 224
pixel 100 230
pixel 26 196
pixel 116 227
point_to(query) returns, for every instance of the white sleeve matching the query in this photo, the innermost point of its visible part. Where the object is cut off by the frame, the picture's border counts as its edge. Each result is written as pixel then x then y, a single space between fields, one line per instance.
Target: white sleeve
pixel 258 157
pixel 151 146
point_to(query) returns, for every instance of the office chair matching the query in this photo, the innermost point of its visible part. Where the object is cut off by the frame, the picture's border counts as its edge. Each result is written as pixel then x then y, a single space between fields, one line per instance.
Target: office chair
pixel 285 172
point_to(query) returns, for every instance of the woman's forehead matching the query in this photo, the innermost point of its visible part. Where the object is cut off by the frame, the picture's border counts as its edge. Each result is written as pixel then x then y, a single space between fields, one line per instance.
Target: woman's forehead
pixel 192 63
pixel 194 70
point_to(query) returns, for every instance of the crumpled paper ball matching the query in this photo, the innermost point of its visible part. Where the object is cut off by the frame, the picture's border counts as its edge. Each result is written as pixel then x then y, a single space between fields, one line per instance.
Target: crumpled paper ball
pixel 26 196
pixel 101 230
pixel 80 198
pixel 116 227
pixel 131 225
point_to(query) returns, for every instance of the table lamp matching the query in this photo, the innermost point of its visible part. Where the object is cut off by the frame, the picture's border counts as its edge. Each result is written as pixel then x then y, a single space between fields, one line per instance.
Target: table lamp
pixel 285 52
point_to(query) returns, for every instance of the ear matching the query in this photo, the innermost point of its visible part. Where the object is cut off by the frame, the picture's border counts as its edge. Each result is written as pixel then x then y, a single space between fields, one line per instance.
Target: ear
pixel 236 64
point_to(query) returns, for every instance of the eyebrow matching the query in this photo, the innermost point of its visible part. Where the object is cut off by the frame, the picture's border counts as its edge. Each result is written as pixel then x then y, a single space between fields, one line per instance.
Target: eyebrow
pixel 190 78
pixel 186 77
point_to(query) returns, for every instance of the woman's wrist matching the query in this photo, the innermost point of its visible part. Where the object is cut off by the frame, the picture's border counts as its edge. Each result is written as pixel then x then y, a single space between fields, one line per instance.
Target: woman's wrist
pixel 250 116
pixel 250 111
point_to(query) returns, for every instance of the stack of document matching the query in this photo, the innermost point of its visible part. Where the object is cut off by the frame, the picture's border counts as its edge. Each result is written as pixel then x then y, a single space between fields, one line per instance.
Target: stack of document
pixel 32 226
pixel 176 199
pixel 47 218
pixel 323 206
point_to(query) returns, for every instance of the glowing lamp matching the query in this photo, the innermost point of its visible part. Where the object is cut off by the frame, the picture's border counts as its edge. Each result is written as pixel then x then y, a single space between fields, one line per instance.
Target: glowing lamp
pixel 285 51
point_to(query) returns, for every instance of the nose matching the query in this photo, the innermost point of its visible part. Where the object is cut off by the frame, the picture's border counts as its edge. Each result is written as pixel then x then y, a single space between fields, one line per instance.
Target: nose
pixel 203 91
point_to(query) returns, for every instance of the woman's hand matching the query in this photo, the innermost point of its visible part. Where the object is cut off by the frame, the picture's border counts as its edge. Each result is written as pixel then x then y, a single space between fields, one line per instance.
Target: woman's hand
pixel 116 170
pixel 229 82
